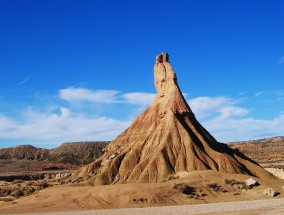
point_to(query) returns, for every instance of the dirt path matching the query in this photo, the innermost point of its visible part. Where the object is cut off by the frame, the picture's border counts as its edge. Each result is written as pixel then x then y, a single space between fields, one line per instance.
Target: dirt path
pixel 257 207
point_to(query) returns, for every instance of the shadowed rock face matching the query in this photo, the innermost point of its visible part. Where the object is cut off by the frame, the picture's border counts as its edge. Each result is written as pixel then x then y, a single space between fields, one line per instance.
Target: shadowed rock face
pixel 165 139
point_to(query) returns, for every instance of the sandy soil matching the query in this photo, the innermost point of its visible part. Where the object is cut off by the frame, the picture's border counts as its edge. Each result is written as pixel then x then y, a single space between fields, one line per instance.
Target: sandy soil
pixel 257 207
pixel 201 187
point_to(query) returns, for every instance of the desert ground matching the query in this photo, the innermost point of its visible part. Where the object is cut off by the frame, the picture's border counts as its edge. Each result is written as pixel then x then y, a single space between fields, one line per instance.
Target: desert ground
pixel 257 207
pixel 196 188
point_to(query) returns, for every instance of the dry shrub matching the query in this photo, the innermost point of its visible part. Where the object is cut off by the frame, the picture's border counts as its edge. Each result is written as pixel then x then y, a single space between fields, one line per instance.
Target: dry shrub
pixel 7 199
pixel 236 184
pixel 43 185
pixel 29 183
pixel 28 191
pixel 5 192
pixel 184 188
pixel 17 181
pixel 140 200
pixel 17 193
pixel 216 188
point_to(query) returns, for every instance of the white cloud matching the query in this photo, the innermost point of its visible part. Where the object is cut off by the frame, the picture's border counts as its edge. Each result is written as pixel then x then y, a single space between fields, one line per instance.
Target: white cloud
pixel 226 121
pixel 200 105
pixel 208 106
pixel 65 112
pixel 142 99
pixel 65 126
pixel 84 95
pixel 231 111
pixel 227 129
pixel 281 60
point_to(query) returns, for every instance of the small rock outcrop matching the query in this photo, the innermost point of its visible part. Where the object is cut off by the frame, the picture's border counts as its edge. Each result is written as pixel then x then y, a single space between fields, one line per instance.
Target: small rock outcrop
pixel 164 140
pixel 251 183
pixel 270 192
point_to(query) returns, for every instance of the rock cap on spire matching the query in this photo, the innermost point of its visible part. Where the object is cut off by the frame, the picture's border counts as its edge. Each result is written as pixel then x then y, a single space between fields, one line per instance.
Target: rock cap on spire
pixel 163 57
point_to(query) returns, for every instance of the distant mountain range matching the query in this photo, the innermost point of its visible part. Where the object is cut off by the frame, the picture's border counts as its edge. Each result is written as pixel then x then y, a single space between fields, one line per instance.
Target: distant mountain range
pixel 269 151
pixel 66 156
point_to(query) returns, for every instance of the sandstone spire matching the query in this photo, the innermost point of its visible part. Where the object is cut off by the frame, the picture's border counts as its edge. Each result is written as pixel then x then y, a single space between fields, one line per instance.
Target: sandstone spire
pixel 164 140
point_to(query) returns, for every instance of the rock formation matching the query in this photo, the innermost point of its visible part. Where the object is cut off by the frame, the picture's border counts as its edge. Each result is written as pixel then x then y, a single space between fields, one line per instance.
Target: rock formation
pixel 164 140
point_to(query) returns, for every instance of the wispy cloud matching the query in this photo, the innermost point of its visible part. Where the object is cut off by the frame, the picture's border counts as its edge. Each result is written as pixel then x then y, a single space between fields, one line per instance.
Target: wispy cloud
pixel 242 93
pixel 210 106
pixel 142 99
pixel 281 60
pixel 25 80
pixel 231 111
pixel 228 129
pixel 279 95
pixel 81 95
pixel 84 95
pixel 260 93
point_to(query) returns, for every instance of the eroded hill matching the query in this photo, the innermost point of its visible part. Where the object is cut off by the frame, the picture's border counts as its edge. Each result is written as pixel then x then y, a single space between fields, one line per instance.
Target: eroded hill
pixel 66 156
pixel 268 151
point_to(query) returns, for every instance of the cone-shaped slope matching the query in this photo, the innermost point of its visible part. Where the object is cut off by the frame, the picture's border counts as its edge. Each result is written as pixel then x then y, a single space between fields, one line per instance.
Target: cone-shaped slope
pixel 165 139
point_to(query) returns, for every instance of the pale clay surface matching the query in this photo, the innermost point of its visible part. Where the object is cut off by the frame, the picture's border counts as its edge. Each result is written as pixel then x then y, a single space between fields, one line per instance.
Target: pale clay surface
pixel 257 207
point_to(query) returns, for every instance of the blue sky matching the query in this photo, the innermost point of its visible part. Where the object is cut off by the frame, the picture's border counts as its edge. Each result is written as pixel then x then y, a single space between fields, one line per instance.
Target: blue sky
pixel 82 70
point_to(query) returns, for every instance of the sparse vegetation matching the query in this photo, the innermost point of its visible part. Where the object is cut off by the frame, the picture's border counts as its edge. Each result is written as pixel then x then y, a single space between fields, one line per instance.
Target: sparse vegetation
pixel 7 199
pixel 170 177
pixel 4 192
pixel 237 184
pixel 17 193
pixel 14 190
pixel 216 188
pixel 140 200
pixel 28 183
pixel 184 188
pixel 28 191
pixel 17 181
